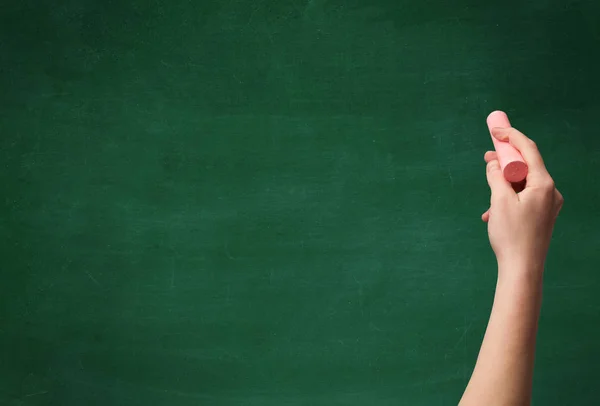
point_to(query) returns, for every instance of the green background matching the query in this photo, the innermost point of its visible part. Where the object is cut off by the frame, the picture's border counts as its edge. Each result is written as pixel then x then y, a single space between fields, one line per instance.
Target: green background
pixel 278 202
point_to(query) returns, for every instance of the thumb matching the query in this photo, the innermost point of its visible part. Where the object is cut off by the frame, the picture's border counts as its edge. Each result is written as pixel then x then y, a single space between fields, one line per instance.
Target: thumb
pixel 499 186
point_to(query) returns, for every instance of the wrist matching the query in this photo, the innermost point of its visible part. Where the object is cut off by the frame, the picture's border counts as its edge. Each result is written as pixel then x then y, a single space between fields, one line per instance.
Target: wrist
pixel 520 275
pixel 518 291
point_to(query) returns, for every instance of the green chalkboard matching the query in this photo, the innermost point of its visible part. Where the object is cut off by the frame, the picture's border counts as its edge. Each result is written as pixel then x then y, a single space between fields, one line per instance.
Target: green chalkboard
pixel 277 202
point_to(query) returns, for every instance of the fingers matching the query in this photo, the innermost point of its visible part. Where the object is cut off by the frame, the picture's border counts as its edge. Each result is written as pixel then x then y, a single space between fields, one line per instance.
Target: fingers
pixel 490 156
pixel 499 186
pixel 486 216
pixel 527 148
pixel 558 204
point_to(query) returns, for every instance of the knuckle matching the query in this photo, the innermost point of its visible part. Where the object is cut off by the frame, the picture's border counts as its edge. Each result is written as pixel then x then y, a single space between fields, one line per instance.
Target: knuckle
pixel 512 132
pixel 492 166
pixel 532 144
pixel 549 185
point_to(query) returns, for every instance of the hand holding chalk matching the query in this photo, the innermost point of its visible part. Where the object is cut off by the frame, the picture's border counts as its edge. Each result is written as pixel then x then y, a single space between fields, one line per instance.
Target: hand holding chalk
pixel 511 161
pixel 520 224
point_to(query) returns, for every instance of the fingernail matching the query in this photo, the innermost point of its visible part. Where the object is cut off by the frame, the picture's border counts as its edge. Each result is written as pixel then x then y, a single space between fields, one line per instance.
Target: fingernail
pixel 499 133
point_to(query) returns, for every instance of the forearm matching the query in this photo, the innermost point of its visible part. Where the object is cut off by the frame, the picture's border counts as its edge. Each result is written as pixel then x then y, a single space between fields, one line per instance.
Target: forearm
pixel 504 369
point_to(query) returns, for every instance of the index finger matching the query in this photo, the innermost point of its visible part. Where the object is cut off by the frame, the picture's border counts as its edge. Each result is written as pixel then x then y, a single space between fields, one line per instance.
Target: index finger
pixel 527 148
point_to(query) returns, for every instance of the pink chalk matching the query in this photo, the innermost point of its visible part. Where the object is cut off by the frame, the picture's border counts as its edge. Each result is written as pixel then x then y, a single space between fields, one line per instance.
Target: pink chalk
pixel 511 161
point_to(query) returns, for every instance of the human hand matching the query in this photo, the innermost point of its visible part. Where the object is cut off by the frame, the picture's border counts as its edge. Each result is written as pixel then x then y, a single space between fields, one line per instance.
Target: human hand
pixel 520 222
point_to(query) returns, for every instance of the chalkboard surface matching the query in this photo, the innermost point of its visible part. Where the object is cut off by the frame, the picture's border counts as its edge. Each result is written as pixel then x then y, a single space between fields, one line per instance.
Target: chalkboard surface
pixel 278 202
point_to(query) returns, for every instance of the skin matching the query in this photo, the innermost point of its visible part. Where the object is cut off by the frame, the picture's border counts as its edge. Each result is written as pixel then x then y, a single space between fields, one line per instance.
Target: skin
pixel 520 223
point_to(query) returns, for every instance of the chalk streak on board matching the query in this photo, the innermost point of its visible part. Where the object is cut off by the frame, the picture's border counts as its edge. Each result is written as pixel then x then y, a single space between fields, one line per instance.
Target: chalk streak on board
pixel 36 394
pixel 92 278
